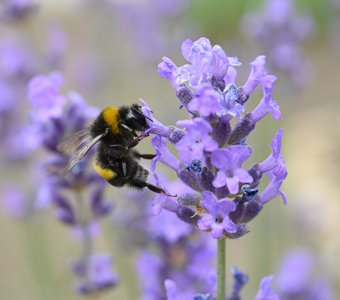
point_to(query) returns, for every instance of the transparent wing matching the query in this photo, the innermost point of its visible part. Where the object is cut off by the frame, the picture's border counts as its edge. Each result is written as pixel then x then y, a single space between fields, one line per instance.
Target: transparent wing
pixel 74 142
pixel 81 151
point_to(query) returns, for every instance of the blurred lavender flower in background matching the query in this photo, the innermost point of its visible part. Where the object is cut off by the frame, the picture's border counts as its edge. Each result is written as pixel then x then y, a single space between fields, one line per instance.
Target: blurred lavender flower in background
pixel 299 277
pixel 13 10
pixel 15 202
pixel 95 275
pixel 280 30
pixel 168 248
pixel 16 66
pixel 56 46
pixel 184 257
pixel 149 24
pixel 239 281
pixel 266 292
pixel 78 198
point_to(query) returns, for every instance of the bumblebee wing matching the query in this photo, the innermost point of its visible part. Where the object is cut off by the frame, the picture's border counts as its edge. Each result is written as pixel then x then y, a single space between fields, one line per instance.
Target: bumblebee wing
pixel 75 142
pixel 76 158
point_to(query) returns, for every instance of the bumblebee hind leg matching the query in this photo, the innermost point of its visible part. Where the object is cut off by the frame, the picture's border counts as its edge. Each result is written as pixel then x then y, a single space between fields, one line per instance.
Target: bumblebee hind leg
pixel 144 156
pixel 139 184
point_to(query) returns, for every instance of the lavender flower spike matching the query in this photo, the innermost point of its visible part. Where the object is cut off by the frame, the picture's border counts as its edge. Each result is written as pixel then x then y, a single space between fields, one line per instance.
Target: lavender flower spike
pixel 217 219
pixel 229 162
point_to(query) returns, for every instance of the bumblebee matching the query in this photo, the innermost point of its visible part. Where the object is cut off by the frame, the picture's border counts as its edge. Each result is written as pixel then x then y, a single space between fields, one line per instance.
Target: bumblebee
pixel 115 130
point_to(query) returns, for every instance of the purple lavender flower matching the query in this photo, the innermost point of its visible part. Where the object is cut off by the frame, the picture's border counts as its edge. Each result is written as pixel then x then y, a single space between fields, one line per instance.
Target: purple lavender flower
pixel 15 203
pixel 267 104
pixel 186 261
pixel 280 30
pixel 171 290
pixel 197 141
pixel 182 254
pixel 56 116
pixel 240 279
pixel 272 160
pixel 205 101
pixel 167 69
pixel 56 47
pixel 277 176
pixel 295 280
pixel 44 95
pixel 147 24
pixel 17 9
pixel 99 206
pixel 211 152
pixel 229 161
pixel 149 267
pixel 163 154
pixel 162 200
pixel 15 60
pixel 172 293
pixel 206 62
pixel 166 226
pixel 95 274
pixel 155 127
pixel 257 73
pixel 266 292
pixel 217 219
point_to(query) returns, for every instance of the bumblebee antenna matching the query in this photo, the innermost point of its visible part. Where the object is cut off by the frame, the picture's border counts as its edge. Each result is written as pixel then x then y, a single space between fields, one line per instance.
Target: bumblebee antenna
pixel 141 114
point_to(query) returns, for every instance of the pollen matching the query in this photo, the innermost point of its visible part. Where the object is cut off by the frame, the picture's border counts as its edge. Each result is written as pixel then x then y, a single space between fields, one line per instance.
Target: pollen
pixel 111 118
pixel 107 174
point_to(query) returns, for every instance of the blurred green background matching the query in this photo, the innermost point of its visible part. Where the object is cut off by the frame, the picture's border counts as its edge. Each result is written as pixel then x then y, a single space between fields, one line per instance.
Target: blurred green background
pixel 35 252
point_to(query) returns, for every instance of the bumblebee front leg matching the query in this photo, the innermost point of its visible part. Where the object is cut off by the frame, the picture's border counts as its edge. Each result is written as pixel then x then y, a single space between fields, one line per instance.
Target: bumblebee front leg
pixel 135 142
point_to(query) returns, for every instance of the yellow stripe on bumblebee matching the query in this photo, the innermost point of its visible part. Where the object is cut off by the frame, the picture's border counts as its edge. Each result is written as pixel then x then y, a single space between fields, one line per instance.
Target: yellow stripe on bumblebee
pixel 107 174
pixel 111 118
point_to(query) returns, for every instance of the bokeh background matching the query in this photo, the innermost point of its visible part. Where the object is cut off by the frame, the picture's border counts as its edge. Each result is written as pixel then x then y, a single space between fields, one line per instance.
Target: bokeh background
pixel 108 52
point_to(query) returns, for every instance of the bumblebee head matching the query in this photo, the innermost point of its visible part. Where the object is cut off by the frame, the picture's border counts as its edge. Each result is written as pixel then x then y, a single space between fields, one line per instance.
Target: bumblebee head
pixel 135 119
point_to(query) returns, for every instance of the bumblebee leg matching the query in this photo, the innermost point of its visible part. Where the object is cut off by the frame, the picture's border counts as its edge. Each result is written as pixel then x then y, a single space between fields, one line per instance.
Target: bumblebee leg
pixel 141 184
pixel 155 189
pixel 138 139
pixel 129 129
pixel 145 156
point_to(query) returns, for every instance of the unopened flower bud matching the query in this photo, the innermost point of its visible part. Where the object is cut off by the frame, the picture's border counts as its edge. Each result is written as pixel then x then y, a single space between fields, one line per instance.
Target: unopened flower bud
pixel 187 215
pixel 184 95
pixel 241 130
pixel 188 199
pixel 176 134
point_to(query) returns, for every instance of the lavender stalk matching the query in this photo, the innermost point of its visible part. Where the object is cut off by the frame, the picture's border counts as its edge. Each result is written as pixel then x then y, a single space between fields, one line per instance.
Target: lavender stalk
pixel 221 269
pixel 224 196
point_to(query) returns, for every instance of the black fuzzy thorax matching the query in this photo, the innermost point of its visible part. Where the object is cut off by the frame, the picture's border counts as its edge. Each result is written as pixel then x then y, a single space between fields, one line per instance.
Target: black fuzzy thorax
pixel 124 137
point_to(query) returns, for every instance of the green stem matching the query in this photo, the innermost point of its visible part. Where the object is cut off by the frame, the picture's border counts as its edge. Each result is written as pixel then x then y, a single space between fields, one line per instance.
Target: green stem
pixel 84 222
pixel 221 274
